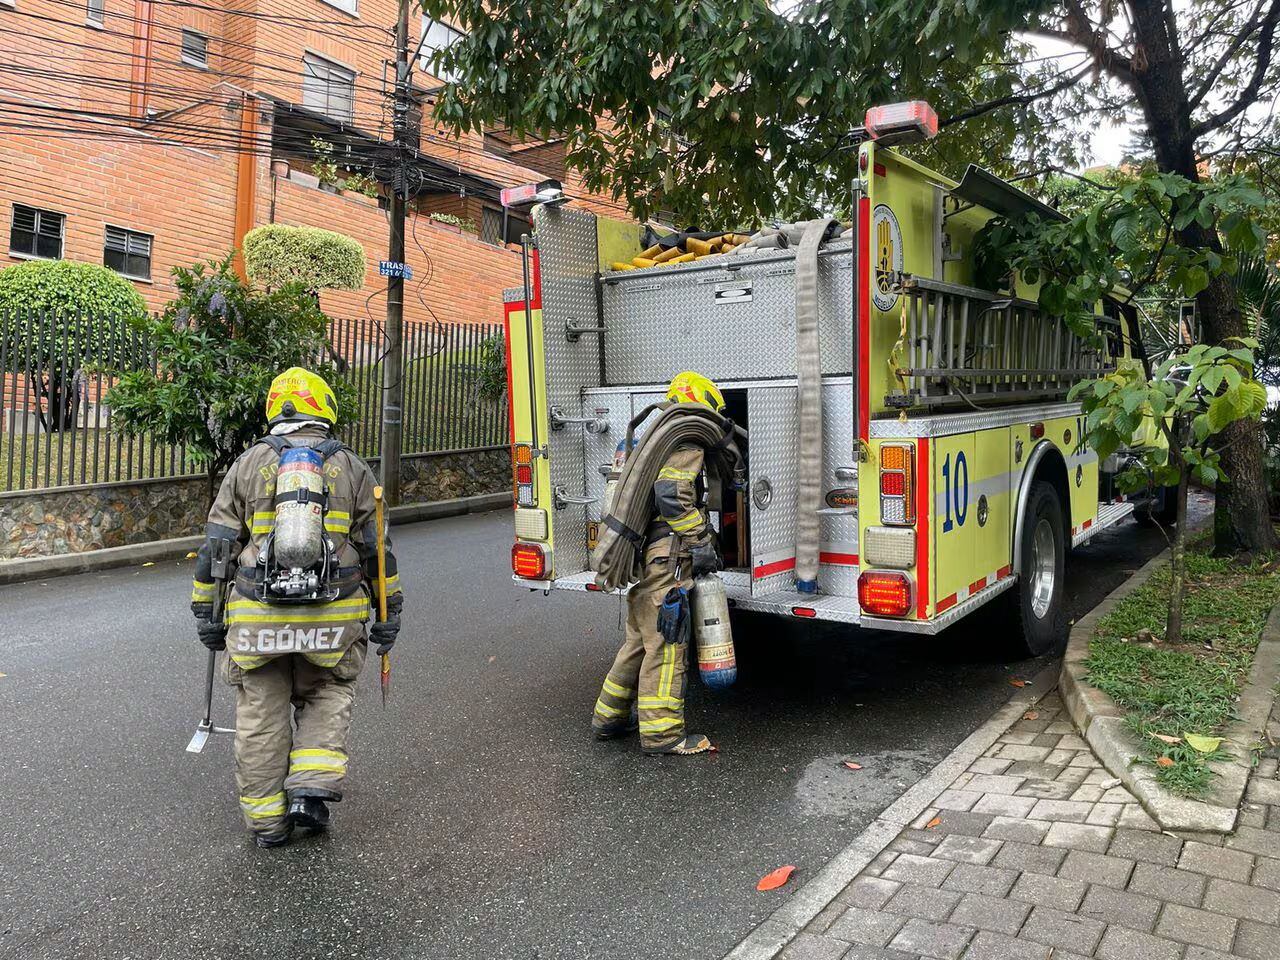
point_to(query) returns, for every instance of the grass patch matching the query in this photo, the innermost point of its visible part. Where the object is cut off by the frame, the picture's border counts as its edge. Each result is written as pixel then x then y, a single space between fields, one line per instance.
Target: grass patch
pixel 1190 688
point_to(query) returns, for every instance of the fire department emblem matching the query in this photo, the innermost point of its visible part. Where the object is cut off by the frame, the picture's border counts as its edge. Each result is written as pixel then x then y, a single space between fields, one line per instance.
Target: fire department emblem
pixel 887 239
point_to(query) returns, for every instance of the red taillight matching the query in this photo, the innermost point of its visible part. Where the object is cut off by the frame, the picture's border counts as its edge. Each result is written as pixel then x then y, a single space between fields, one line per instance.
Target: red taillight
pixel 1037 431
pixel 884 594
pixel 893 485
pixel 528 561
pixel 524 473
pixel 807 612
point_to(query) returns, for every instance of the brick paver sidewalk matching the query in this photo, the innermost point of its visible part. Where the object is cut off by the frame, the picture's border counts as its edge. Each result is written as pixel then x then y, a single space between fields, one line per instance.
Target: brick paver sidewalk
pixel 1036 853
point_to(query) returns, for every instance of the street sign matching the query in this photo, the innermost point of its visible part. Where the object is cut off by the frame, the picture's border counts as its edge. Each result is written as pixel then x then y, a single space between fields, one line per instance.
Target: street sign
pixel 389 268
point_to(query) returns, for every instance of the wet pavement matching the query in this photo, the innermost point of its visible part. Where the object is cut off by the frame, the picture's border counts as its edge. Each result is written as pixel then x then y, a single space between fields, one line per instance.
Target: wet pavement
pixel 481 821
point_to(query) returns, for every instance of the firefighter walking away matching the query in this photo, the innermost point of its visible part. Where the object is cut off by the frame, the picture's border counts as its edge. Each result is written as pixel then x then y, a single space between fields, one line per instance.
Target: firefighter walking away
pixel 646 684
pixel 296 513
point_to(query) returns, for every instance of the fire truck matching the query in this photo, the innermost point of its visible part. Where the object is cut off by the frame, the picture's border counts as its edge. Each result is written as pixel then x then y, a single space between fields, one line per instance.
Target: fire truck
pixel 952 472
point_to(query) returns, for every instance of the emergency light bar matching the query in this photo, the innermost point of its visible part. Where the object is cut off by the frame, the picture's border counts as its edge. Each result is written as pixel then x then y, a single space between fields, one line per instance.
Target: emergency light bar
pixel 908 122
pixel 526 195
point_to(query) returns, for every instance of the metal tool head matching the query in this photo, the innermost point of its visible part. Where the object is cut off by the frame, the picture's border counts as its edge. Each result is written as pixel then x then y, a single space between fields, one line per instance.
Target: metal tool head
pixel 200 737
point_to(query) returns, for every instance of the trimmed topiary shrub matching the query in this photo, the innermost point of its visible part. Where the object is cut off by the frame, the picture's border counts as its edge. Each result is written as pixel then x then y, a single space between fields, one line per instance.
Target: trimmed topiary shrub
pixel 276 256
pixel 56 317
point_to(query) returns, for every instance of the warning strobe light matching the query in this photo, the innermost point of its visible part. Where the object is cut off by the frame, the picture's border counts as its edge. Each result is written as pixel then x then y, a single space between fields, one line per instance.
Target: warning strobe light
pixel 884 594
pixel 528 561
pixel 527 194
pixel 908 122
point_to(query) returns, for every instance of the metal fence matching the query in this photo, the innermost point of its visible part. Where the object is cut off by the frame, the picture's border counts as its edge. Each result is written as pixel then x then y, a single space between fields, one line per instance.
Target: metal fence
pixel 56 426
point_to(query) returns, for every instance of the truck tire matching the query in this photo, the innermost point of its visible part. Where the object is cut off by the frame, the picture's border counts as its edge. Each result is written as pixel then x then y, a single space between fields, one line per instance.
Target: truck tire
pixel 1036 604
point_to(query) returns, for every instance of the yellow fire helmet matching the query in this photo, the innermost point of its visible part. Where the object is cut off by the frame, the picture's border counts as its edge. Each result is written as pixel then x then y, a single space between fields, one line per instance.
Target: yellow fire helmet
pixel 299 394
pixel 691 387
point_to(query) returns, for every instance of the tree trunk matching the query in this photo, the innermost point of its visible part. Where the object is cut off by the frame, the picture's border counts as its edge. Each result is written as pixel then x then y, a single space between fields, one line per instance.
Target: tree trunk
pixel 1241 521
pixel 1178 571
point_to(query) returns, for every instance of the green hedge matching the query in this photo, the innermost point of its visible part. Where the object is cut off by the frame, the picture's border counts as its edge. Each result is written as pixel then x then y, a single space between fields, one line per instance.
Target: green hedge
pixel 276 255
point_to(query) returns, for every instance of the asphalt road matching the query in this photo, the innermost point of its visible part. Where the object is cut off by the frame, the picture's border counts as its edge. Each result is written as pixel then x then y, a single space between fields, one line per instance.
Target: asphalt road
pixel 481 821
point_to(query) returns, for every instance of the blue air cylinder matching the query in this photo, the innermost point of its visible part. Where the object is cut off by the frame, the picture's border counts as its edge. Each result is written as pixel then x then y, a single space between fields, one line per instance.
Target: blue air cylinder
pixel 299 532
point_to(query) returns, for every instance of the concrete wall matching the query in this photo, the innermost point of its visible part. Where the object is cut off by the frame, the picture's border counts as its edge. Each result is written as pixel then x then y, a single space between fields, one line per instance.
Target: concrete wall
pixel 77 519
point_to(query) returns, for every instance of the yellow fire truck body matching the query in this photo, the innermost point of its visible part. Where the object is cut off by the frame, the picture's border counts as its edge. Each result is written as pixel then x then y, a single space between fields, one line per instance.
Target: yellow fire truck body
pixel 944 414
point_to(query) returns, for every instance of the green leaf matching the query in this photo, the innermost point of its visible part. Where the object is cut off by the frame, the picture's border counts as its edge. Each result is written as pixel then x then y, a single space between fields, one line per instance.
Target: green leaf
pixel 1202 744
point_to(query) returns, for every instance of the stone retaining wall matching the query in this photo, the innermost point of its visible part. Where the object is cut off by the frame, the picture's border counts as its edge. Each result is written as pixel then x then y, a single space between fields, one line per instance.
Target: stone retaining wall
pixel 75 519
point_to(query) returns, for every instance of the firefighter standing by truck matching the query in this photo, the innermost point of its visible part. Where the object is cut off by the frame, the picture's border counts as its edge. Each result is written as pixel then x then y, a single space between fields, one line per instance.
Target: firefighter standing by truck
pixel 648 673
pixel 298 511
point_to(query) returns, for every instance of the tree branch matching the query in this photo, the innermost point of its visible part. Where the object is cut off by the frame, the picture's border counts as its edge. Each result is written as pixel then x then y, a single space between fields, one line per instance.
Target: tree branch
pixel 1020 99
pixel 1246 31
pixel 1266 36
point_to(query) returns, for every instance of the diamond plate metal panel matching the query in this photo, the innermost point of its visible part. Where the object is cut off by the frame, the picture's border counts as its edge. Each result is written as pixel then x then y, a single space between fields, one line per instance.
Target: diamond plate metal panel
pixel 664 320
pixel 947 424
pixel 771 420
pixel 568 264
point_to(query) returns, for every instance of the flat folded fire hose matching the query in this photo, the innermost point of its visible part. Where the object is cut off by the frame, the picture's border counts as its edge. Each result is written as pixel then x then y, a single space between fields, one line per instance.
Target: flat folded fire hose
pixel 617 557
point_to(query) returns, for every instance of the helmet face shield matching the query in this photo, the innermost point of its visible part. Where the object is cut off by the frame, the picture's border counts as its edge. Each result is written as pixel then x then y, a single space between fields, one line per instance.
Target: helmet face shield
pixel 692 387
pixel 299 394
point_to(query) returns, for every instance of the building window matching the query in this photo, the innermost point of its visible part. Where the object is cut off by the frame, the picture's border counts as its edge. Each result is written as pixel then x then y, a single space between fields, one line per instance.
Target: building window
pixel 491 227
pixel 437 37
pixel 95 12
pixel 128 252
pixel 328 87
pixel 347 6
pixel 36 233
pixel 195 49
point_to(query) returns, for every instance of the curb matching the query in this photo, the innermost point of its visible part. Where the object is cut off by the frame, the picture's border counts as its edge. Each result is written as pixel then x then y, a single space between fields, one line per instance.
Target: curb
pixel 780 928
pixel 66 564
pixel 1102 724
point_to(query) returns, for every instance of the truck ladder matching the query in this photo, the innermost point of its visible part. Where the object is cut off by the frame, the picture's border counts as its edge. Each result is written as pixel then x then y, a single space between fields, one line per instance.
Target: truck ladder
pixel 963 346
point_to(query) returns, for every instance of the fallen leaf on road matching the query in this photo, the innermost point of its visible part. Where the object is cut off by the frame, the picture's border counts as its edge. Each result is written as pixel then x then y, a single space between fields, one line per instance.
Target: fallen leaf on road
pixel 1031 715
pixel 776 878
pixel 1203 744
pixel 853 766
pixel 149 563
pixel 191 555
pixel 933 823
pixel 1164 762
pixel 2 675
pixel 1109 784
pixel 1017 683
pixel 491 659
pixel 1165 738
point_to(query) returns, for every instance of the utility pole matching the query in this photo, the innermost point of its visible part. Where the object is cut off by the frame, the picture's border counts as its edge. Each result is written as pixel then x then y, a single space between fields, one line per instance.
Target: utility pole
pixel 393 360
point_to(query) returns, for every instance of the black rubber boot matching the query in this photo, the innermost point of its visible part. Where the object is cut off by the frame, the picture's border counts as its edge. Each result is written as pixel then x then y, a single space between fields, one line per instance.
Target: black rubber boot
pixel 277 839
pixel 308 813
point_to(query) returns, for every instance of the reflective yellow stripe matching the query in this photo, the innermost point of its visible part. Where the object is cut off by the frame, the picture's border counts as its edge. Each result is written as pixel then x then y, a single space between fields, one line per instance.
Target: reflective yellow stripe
pixel 668 669
pixel 247 662
pixel 671 473
pixel 245 604
pixel 672 703
pixel 617 689
pixel 324 659
pixel 322 767
pixel 337 515
pixel 201 592
pixel 266 616
pixel 605 710
pixel 656 726
pixel 317 752
pixel 686 522
pixel 337 526
pixel 264 515
pixel 260 808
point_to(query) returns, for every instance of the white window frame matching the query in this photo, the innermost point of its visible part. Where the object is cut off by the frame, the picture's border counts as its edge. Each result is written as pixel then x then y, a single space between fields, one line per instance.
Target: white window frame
pixel 346 6
pixel 447 36
pixel 95 13
pixel 182 49
pixel 62 231
pixel 311 59
pixel 129 235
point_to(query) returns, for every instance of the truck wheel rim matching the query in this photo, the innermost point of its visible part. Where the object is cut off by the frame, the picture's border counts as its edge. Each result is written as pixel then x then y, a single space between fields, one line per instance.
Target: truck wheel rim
pixel 1043 568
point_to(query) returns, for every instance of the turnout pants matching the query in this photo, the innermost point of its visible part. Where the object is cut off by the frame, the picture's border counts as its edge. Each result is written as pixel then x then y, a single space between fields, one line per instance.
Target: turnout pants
pixel 292 720
pixel 648 671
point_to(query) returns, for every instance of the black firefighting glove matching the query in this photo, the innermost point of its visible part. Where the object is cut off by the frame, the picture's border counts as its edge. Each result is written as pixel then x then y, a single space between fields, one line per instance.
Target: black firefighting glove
pixel 202 610
pixel 384 632
pixel 673 616
pixel 706 559
pixel 212 635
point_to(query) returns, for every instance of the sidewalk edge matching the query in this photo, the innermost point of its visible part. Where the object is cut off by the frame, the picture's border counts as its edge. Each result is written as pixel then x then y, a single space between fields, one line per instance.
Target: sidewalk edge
pixel 66 564
pixel 1102 724
pixel 769 937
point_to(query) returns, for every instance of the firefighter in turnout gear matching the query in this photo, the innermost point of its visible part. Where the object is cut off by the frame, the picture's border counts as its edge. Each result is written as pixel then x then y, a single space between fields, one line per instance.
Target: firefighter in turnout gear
pixel 295 635
pixel 648 674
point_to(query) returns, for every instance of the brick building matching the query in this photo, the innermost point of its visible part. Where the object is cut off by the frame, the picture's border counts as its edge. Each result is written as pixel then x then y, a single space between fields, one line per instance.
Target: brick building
pixel 148 134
